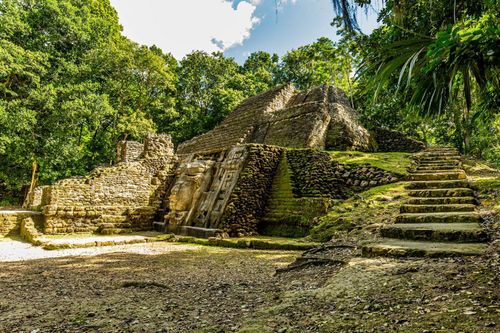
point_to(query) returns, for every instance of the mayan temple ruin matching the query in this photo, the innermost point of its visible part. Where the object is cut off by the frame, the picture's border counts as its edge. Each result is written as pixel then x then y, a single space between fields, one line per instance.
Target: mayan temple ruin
pixel 263 170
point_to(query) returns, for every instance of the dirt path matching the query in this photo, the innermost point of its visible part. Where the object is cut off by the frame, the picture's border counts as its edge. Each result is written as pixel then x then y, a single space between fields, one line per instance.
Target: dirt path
pixel 178 289
pixel 15 250
pixel 163 287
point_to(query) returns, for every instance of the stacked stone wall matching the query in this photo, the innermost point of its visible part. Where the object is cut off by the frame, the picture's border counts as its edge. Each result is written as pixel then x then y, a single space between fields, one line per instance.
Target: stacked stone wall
pixel 285 214
pixel 314 174
pixel 10 221
pixel 248 199
pixel 239 125
pixel 298 126
pixel 129 151
pixel 389 140
pixel 345 131
pixel 116 199
pixel 306 182
pixel 288 118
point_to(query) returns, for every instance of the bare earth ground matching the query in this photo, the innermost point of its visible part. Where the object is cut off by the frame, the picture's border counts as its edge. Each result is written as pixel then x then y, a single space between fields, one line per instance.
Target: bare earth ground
pixel 176 288
pixel 182 289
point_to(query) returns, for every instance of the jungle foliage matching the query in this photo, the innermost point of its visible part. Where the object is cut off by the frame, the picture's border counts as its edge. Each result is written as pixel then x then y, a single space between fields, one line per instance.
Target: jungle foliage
pixel 431 69
pixel 72 86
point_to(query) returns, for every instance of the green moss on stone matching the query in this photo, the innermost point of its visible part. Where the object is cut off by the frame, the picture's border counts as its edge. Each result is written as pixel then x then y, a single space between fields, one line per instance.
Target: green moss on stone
pixel 373 206
pixel 395 162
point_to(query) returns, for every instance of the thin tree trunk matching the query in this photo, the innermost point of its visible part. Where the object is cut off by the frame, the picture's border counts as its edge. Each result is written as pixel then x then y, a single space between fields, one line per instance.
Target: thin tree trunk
pixel 29 196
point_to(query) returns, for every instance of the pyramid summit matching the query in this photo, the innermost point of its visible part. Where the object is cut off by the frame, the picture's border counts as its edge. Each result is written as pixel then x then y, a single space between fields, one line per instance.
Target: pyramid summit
pixel 320 118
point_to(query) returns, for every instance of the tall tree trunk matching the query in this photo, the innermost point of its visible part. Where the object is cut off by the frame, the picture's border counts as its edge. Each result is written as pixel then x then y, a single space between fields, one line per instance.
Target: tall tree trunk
pixel 466 116
pixel 29 197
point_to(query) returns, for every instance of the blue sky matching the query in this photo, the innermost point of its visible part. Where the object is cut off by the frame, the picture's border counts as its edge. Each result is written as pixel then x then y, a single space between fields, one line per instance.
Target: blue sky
pixel 236 27
pixel 297 23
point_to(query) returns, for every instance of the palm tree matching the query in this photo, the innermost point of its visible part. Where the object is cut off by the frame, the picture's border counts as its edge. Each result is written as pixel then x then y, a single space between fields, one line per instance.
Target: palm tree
pixel 456 65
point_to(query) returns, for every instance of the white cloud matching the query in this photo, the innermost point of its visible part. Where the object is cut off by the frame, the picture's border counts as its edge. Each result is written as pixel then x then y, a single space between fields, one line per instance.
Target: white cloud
pixel 181 26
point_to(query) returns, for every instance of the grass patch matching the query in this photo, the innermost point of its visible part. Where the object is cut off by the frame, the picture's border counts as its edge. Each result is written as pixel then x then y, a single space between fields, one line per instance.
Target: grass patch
pixel 395 162
pixel 479 168
pixel 487 183
pixel 372 207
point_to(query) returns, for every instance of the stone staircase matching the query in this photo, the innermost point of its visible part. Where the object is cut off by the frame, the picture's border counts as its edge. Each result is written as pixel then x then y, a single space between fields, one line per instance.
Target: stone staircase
pixel 439 219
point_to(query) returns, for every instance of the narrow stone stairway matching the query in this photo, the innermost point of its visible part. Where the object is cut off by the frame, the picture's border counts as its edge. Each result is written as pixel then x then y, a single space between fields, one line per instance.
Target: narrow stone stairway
pixel 439 219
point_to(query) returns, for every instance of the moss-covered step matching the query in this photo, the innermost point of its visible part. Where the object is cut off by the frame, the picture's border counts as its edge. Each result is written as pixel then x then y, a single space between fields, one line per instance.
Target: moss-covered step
pixel 437 158
pixel 406 248
pixel 438 176
pixel 438 162
pixel 443 232
pixel 407 208
pixel 451 217
pixel 442 192
pixel 439 153
pixel 429 184
pixel 437 167
pixel 437 171
pixel 442 201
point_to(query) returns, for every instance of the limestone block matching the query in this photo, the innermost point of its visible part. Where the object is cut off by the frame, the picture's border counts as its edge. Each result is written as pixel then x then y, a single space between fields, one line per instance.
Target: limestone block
pixel 128 151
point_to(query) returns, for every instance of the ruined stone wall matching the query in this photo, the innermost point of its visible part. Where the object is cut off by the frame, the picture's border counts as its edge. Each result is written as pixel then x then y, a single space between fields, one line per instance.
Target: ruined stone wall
pixel 306 182
pixel 129 151
pixel 314 174
pixel 298 126
pixel 285 214
pixel 10 221
pixel 112 199
pixel 202 187
pixel 288 118
pixel 248 199
pixel 222 190
pixel 389 140
pixel 240 125
pixel 345 131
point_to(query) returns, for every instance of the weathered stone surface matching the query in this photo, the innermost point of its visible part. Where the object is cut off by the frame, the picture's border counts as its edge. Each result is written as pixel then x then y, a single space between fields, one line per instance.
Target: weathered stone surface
pixel 116 199
pixel 129 151
pixel 10 221
pixel 389 140
pixel 314 174
pixel 222 190
pixel 247 202
pixel 288 118
pixel 202 187
pixel 221 181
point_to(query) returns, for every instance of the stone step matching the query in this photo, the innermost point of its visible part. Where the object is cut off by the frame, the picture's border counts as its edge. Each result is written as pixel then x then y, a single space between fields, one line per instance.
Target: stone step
pixel 442 201
pixel 444 232
pixel 438 176
pixel 438 155
pixel 405 248
pixel 438 152
pixel 442 192
pixel 435 167
pixel 191 231
pixel 159 226
pixel 448 217
pixel 417 185
pixel 430 171
pixel 407 208
pixel 441 158
pixel 438 162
